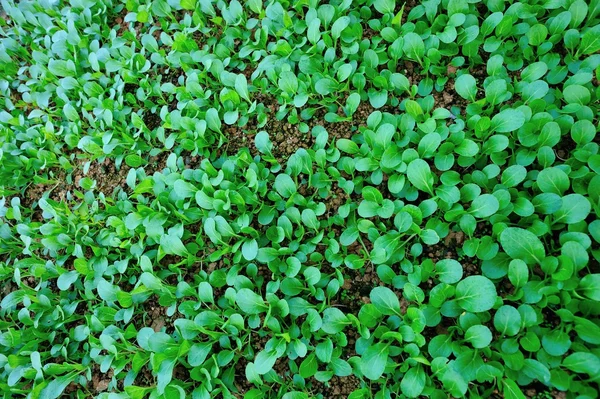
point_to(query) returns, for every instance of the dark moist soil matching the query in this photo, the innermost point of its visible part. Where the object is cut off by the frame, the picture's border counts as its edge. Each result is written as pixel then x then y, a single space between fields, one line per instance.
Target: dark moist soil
pixel 100 380
pixel 448 249
pixel 287 137
pixel 152 120
pixel 35 191
pixel 538 390
pixel 336 388
pixel 108 178
pixel 408 5
pixel 337 197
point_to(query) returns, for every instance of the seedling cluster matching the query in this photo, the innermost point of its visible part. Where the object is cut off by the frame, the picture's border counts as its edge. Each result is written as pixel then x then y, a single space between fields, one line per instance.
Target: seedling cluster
pixel 299 199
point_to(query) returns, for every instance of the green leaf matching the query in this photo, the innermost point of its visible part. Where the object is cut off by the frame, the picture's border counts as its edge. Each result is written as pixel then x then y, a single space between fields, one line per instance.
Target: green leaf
pixel 449 271
pixel 507 121
pixel 284 185
pixel 263 142
pixel 413 47
pixel 56 386
pixel 479 336
pixel 518 273
pixel 374 360
pixel 466 86
pixel 171 244
pixel 556 342
pixel 313 33
pixel 385 6
pixel 250 249
pixel 250 302
pixel 419 174
pixel 334 321
pixel 522 244
pixel 309 366
pixel 213 121
pixel 309 218
pixel 413 382
pixel 476 294
pixel 583 362
pixel 241 86
pixel 265 360
pixel 553 180
pixel 511 390
pixel 288 82
pixel 347 146
pixel 326 86
pixel 338 26
pixel 484 206
pixel 513 175
pixel 574 209
pixel 184 189
pixel 507 320
pixel 385 300
pixel 590 41
pixel 198 353
pixel 590 286
pixel 188 4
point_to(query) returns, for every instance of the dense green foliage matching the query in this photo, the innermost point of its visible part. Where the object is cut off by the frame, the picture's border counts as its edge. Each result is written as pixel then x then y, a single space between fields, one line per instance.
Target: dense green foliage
pixel 364 199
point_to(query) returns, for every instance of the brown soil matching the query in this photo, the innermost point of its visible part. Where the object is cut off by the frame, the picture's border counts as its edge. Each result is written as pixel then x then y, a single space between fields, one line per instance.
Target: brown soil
pixel 336 198
pixel 35 191
pixel 157 163
pixel 154 316
pixel 357 287
pixel 448 249
pixel 144 378
pixel 286 137
pixel 241 383
pixel 108 178
pixel 536 388
pixel 336 388
pixel 408 5
pixel 344 129
pixel 100 381
pixel 152 120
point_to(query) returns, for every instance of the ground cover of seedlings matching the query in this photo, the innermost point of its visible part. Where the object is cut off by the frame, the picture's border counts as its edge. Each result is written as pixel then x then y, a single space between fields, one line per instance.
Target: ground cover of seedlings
pixel 299 199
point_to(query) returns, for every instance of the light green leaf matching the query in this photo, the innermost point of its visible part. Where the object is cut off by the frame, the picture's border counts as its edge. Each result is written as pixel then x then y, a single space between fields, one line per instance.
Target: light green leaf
pixel 449 271
pixel 374 360
pixel 265 360
pixel 466 87
pixel 522 244
pixel 507 121
pixel 241 86
pixel 419 174
pixel 284 185
pixel 484 206
pixel 413 382
pixel 334 321
pixel 507 320
pixel 250 302
pixel 553 180
pixel 583 362
pixel 385 300
pixel 250 249
pixel 479 336
pixel 574 209
pixel 476 294
pixel 511 390
pixel 513 175
pixel 385 6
